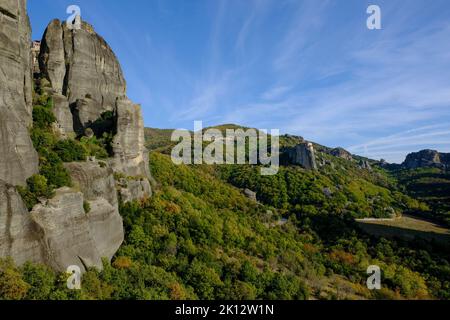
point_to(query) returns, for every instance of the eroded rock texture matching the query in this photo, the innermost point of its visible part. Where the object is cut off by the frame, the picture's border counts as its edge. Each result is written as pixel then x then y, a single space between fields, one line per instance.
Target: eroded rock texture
pixel 18 159
pixel 19 236
pixel 80 65
pixel 303 154
pixel 130 154
pixel 59 232
pixel 79 225
pixel 103 220
pixel 61 110
pixel 82 68
pixel 131 190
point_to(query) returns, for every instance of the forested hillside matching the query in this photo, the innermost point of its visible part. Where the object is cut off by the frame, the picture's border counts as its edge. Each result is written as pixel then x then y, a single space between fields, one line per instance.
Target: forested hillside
pixel 430 185
pixel 200 237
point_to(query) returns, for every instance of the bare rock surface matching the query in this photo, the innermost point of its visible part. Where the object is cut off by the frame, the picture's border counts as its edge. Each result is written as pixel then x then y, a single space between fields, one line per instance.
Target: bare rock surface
pixel 130 153
pixel 427 158
pixel 250 194
pixel 59 232
pixel 134 190
pixel 61 110
pixel 81 66
pixel 78 225
pixel 19 237
pixel 18 159
pixel 66 233
pixel 303 154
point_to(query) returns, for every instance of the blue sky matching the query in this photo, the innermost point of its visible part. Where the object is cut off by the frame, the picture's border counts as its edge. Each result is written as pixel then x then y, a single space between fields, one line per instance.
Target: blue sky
pixel 306 67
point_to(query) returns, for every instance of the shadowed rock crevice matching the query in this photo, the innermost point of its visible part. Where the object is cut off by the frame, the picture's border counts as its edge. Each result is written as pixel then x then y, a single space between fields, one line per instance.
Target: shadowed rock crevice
pixel 8 13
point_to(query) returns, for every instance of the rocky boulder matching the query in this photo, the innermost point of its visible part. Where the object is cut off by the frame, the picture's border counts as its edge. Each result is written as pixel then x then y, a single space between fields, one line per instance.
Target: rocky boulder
pixel 250 194
pixel 66 232
pixel 64 119
pixel 79 225
pixel 18 159
pixel 98 186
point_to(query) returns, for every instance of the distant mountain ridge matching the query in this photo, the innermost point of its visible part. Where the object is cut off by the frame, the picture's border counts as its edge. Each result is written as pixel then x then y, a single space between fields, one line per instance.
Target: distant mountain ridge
pixel 427 158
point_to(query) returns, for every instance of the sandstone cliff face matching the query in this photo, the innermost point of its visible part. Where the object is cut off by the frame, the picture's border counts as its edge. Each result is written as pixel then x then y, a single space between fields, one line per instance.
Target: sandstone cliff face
pixel 85 81
pixel 79 64
pixel 19 236
pixel 134 190
pixel 18 158
pixel 83 69
pixel 303 154
pixel 130 153
pixel 61 110
pixel 59 232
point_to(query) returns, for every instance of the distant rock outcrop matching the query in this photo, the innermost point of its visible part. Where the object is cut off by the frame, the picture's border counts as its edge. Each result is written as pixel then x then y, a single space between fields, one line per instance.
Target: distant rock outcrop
pixel 303 154
pixel 365 164
pixel 427 158
pixel 341 153
pixel 18 159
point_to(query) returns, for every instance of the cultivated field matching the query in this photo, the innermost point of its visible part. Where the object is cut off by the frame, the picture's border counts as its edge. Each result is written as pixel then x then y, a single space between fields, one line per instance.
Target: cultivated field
pixel 406 227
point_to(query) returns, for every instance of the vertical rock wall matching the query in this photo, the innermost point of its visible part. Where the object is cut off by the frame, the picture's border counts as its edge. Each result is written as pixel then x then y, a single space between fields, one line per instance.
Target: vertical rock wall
pixel 18 159
pixel 80 225
pixel 303 154
pixel 83 69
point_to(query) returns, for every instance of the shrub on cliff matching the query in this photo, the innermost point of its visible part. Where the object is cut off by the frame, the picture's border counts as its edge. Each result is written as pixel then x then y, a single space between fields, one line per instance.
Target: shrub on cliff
pixel 43 117
pixel 36 188
pixel 70 150
pixel 12 286
pixel 94 147
pixel 51 167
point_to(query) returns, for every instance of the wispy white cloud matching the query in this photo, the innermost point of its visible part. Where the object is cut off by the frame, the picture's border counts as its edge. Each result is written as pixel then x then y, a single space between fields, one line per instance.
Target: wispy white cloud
pixel 275 92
